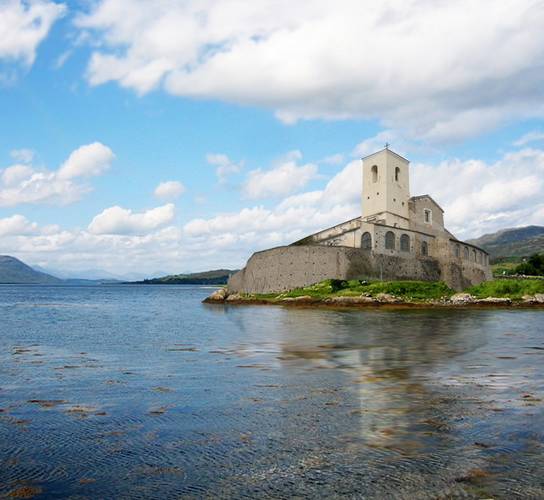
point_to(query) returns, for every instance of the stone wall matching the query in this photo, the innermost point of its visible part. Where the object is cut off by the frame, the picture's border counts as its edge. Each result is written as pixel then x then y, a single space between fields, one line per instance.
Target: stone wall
pixel 285 268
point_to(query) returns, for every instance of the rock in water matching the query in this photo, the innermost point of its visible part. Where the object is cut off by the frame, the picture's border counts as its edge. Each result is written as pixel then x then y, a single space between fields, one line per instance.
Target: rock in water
pixel 235 297
pixel 495 300
pixel 387 298
pixel 462 298
pixel 219 295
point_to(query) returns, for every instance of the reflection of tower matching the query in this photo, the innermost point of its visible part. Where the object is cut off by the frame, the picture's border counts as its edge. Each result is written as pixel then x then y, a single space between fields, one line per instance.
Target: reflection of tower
pixel 386 188
pixel 389 364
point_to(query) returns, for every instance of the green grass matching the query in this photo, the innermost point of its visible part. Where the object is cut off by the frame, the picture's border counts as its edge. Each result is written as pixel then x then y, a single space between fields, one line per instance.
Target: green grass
pixel 411 291
pixel 504 268
pixel 408 290
pixel 511 288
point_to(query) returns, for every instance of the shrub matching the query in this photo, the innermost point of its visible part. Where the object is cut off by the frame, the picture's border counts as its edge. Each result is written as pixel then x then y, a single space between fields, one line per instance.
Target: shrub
pixel 533 267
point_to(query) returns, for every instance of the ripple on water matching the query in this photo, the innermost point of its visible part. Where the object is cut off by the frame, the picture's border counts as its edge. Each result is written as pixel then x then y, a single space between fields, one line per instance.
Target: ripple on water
pixel 267 403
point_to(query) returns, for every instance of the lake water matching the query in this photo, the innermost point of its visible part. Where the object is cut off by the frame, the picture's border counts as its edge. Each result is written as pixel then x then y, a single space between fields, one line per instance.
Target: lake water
pixel 144 392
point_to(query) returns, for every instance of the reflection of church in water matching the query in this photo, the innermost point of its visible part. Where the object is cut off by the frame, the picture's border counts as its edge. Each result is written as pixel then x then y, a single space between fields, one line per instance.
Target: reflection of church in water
pixel 392 364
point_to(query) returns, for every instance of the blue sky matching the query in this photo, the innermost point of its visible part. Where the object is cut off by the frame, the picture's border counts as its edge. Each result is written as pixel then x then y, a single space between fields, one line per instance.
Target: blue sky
pixel 254 116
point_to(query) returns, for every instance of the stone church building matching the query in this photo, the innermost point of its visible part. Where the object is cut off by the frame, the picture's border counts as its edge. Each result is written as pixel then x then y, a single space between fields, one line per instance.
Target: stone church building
pixel 397 237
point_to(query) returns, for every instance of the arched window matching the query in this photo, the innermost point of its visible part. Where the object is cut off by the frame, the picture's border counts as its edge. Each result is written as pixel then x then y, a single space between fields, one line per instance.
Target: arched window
pixel 473 255
pixel 397 174
pixel 465 252
pixel 366 241
pixel 457 251
pixel 424 248
pixel 479 258
pixel 405 243
pixel 390 240
pixel 374 171
pixel 427 216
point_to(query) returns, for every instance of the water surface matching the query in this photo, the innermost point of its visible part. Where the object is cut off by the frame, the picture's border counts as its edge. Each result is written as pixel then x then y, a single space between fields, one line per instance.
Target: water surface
pixel 144 392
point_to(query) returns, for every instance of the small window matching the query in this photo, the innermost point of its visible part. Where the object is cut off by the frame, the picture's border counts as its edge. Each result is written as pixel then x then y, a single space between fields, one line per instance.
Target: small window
pixel 374 171
pixel 366 241
pixel 424 248
pixel 390 240
pixel 473 255
pixel 465 253
pixel 405 243
pixel 397 174
pixel 457 251
pixel 428 217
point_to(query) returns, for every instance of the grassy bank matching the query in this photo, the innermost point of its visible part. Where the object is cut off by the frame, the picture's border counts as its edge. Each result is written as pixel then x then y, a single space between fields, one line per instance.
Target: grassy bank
pixel 509 288
pixel 407 291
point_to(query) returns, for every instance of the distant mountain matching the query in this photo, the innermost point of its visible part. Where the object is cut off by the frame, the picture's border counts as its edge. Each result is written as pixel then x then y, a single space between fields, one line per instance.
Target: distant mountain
pixel 514 242
pixel 216 277
pixel 14 271
pixel 93 274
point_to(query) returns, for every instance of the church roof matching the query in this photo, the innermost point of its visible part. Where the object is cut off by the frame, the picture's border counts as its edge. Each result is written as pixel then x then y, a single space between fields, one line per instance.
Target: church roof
pixel 385 149
pixel 429 197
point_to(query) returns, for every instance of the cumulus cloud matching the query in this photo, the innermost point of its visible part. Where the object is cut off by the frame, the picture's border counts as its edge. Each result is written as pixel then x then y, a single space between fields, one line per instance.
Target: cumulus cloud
pixel 118 220
pixel 23 183
pixel 533 136
pixel 478 197
pixel 22 155
pixel 169 190
pixel 224 166
pixel 17 225
pixel 24 25
pixel 405 63
pixel 87 161
pixel 283 179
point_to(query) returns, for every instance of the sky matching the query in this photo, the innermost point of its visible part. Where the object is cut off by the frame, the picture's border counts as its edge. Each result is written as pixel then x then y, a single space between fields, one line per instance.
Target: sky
pixel 142 137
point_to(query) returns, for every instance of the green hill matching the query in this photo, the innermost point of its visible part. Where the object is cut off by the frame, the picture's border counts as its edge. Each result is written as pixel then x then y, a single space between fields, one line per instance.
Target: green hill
pixel 514 242
pixel 13 271
pixel 215 277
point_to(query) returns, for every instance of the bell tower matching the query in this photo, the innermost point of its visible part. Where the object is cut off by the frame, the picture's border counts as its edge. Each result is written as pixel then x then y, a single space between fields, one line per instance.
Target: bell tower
pixel 386 188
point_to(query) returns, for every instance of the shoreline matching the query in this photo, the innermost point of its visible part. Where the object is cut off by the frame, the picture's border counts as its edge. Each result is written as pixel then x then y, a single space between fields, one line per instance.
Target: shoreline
pixel 334 303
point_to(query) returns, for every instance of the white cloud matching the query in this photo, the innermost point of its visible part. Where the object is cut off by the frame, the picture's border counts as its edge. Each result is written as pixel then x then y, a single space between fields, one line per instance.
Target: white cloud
pixel 335 159
pixel 22 155
pixel 533 136
pixel 480 197
pixel 27 184
pixel 118 220
pixel 169 190
pixel 87 161
pixel 17 225
pixel 24 25
pixel 405 63
pixel 224 166
pixel 285 178
pixel 15 174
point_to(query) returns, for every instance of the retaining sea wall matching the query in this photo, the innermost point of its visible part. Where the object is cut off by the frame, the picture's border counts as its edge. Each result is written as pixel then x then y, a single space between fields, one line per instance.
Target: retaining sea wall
pixel 288 267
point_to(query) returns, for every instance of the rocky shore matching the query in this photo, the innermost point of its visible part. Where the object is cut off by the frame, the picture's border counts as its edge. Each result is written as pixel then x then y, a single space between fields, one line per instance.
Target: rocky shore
pixel 222 296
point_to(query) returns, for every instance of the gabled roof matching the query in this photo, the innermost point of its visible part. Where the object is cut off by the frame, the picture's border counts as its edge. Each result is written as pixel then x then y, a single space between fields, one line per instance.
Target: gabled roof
pixel 429 197
pixel 385 149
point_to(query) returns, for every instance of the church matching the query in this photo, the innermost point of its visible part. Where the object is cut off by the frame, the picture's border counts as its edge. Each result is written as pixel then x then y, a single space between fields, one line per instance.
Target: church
pixel 397 237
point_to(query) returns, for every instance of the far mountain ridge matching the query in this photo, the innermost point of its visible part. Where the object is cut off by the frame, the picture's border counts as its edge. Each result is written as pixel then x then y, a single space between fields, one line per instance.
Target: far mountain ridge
pixel 512 242
pixel 214 277
pixel 14 271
